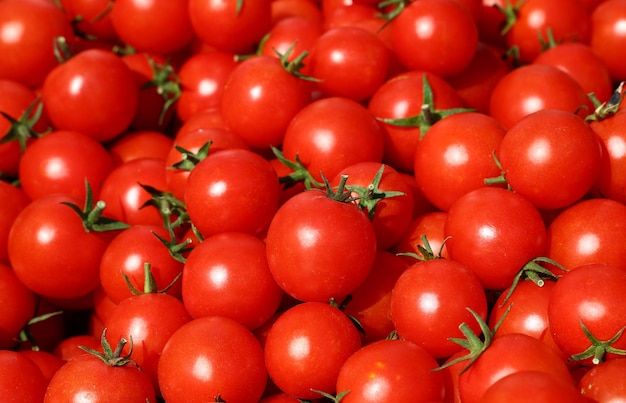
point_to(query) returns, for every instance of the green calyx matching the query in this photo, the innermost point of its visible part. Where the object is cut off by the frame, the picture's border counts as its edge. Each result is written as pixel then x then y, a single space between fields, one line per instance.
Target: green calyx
pixel 534 272
pixel 608 108
pixel 598 349
pixel 425 250
pixel 167 84
pixel 21 129
pixel 110 357
pixel 149 284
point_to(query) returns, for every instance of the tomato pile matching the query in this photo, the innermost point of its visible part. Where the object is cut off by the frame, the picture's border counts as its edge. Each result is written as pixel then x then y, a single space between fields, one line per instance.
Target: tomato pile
pixel 312 201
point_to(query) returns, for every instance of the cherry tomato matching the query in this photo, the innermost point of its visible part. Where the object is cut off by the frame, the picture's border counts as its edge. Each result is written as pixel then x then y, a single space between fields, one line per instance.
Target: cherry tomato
pixel 607 35
pixel 192 369
pixel 21 379
pixel 20 307
pixel 14 201
pixel 294 34
pixel 91 18
pixel 140 144
pixel 545 388
pixel 430 225
pixel 604 382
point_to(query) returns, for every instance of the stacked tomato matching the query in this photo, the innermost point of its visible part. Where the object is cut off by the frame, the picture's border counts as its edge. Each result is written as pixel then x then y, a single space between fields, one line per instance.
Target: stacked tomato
pixel 312 200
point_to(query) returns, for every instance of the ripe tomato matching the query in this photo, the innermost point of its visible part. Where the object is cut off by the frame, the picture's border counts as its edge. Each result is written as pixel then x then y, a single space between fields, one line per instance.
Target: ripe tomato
pixel 350 62
pixel 523 91
pixel 92 18
pixel 546 388
pixel 20 307
pixel 260 98
pixel 428 313
pixel 444 31
pixel 605 382
pixel 232 190
pixel 304 240
pixel 494 232
pixel 306 347
pixel 591 297
pixel 140 144
pixel 589 231
pixel 455 157
pixel 547 150
pixel 93 92
pixel 61 162
pixel 14 201
pixel 27 33
pixel 332 133
pixel 297 33
pixel 607 35
pixel 430 225
pixel 51 252
pixel 192 370
pixel 228 275
pixel 162 27
pixel 47 362
pixel 21 380
pixel 390 371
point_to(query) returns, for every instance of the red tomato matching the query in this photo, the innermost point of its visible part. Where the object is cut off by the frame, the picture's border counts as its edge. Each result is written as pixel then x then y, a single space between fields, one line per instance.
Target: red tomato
pixel 547 150
pixel 91 18
pixel 232 190
pixel 523 91
pixel 590 231
pixel 431 225
pixel 162 27
pixel 230 25
pixel 494 232
pixel 390 371
pixel 93 92
pixel 140 144
pixel 128 253
pixel 117 379
pixel 69 348
pixel 428 313
pixel 51 252
pixel 306 347
pixel 28 30
pixel 285 9
pixel 202 77
pixel 61 162
pixel 402 97
pixel 260 97
pixel 19 303
pixel 149 320
pixel 546 388
pixel 332 133
pixel 47 362
pixel 605 382
pixel 297 33
pixel 21 380
pixel 228 275
pixel 591 297
pixel 304 240
pixel 14 200
pixel 455 157
pixel 192 369
pixel 350 62
pixel 444 31
pixel 607 35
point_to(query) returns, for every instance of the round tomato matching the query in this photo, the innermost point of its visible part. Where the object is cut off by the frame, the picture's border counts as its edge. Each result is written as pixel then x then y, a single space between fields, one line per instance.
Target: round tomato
pixel 21 379
pixel 140 144
pixel 546 388
pixel 20 307
pixel 14 201
pixel 607 34
pixel 605 382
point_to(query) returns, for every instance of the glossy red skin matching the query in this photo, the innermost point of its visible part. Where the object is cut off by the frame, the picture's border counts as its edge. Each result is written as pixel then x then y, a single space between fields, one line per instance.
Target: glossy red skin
pixel 29 55
pixel 124 196
pixel 494 232
pixel 19 303
pixel 490 23
pixel 40 242
pixel 557 147
pixel 210 118
pixel 506 355
pixel 444 31
pixel 161 27
pixel 567 19
pixel 589 232
pixel 202 77
pixel 68 348
pixel 307 9
pixel 428 313
pixel 545 388
pixel 149 320
pixel 431 225
pixel 192 369
pixel 612 175
pixel 14 201
pixel 89 375
pixel 21 378
pixel 221 139
pixel 47 362
pixel 232 190
pixel 94 20
pixel 605 381
pixel 140 144
pixel 304 240
pixel 61 162
pixel 456 155
pixel 127 254
pixel 607 35
pixel 371 301
pixel 220 26
pixel 228 275
pixel 332 133
pixel 402 97
pixel 350 62
pixel 592 294
pixel 107 86
pixel 475 83
pixel 260 98
pixel 306 347
pixel 298 32
pixel 523 91
pixel 392 216
pixel 581 62
pixel 397 370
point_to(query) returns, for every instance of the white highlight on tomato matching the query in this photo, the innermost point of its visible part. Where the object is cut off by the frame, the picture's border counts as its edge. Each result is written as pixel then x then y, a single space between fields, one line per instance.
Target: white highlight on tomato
pixel 616 147
pixel 456 155
pixel 217 189
pixel 55 168
pixel 376 387
pixel 308 236
pixel 535 323
pixel 45 234
pixel 134 261
pixel 324 140
pixel 207 87
pixel 76 85
pixel 428 303
pixel 218 276
pixel 202 369
pixel 488 232
pixel 299 348
pixel 11 32
pixel 588 244
pixel 539 151
pixel 591 310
